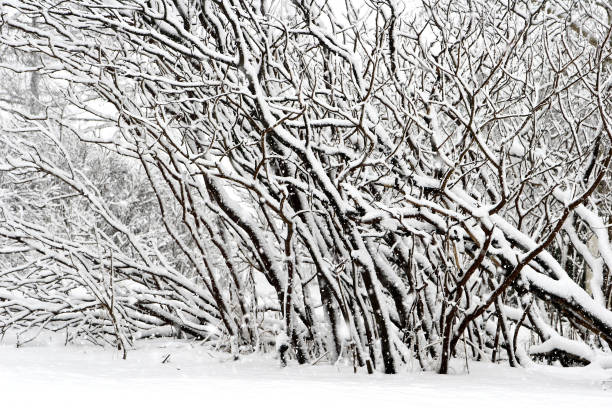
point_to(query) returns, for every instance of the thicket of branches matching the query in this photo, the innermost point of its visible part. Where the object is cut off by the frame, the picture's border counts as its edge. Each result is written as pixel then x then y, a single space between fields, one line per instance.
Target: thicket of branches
pixel 392 182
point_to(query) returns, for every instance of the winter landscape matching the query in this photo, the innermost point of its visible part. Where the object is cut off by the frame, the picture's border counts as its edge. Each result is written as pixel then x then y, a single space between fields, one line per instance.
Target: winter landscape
pixel 306 203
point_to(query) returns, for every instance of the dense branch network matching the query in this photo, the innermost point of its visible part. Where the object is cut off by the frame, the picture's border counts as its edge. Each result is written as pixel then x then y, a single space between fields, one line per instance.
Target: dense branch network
pixel 383 182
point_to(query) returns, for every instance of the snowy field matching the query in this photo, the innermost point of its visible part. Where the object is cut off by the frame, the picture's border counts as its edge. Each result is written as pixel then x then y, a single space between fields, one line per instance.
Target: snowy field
pixel 87 376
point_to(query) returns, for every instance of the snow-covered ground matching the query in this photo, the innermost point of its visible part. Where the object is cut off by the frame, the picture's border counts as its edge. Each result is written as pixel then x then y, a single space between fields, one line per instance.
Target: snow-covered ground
pixel 87 376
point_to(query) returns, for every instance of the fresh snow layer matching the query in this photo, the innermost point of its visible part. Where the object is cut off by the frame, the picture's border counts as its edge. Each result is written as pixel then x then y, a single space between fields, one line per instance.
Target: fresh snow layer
pixel 88 376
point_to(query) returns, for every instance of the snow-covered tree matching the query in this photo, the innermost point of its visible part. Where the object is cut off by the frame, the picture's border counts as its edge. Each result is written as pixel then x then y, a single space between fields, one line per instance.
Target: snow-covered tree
pixel 381 180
